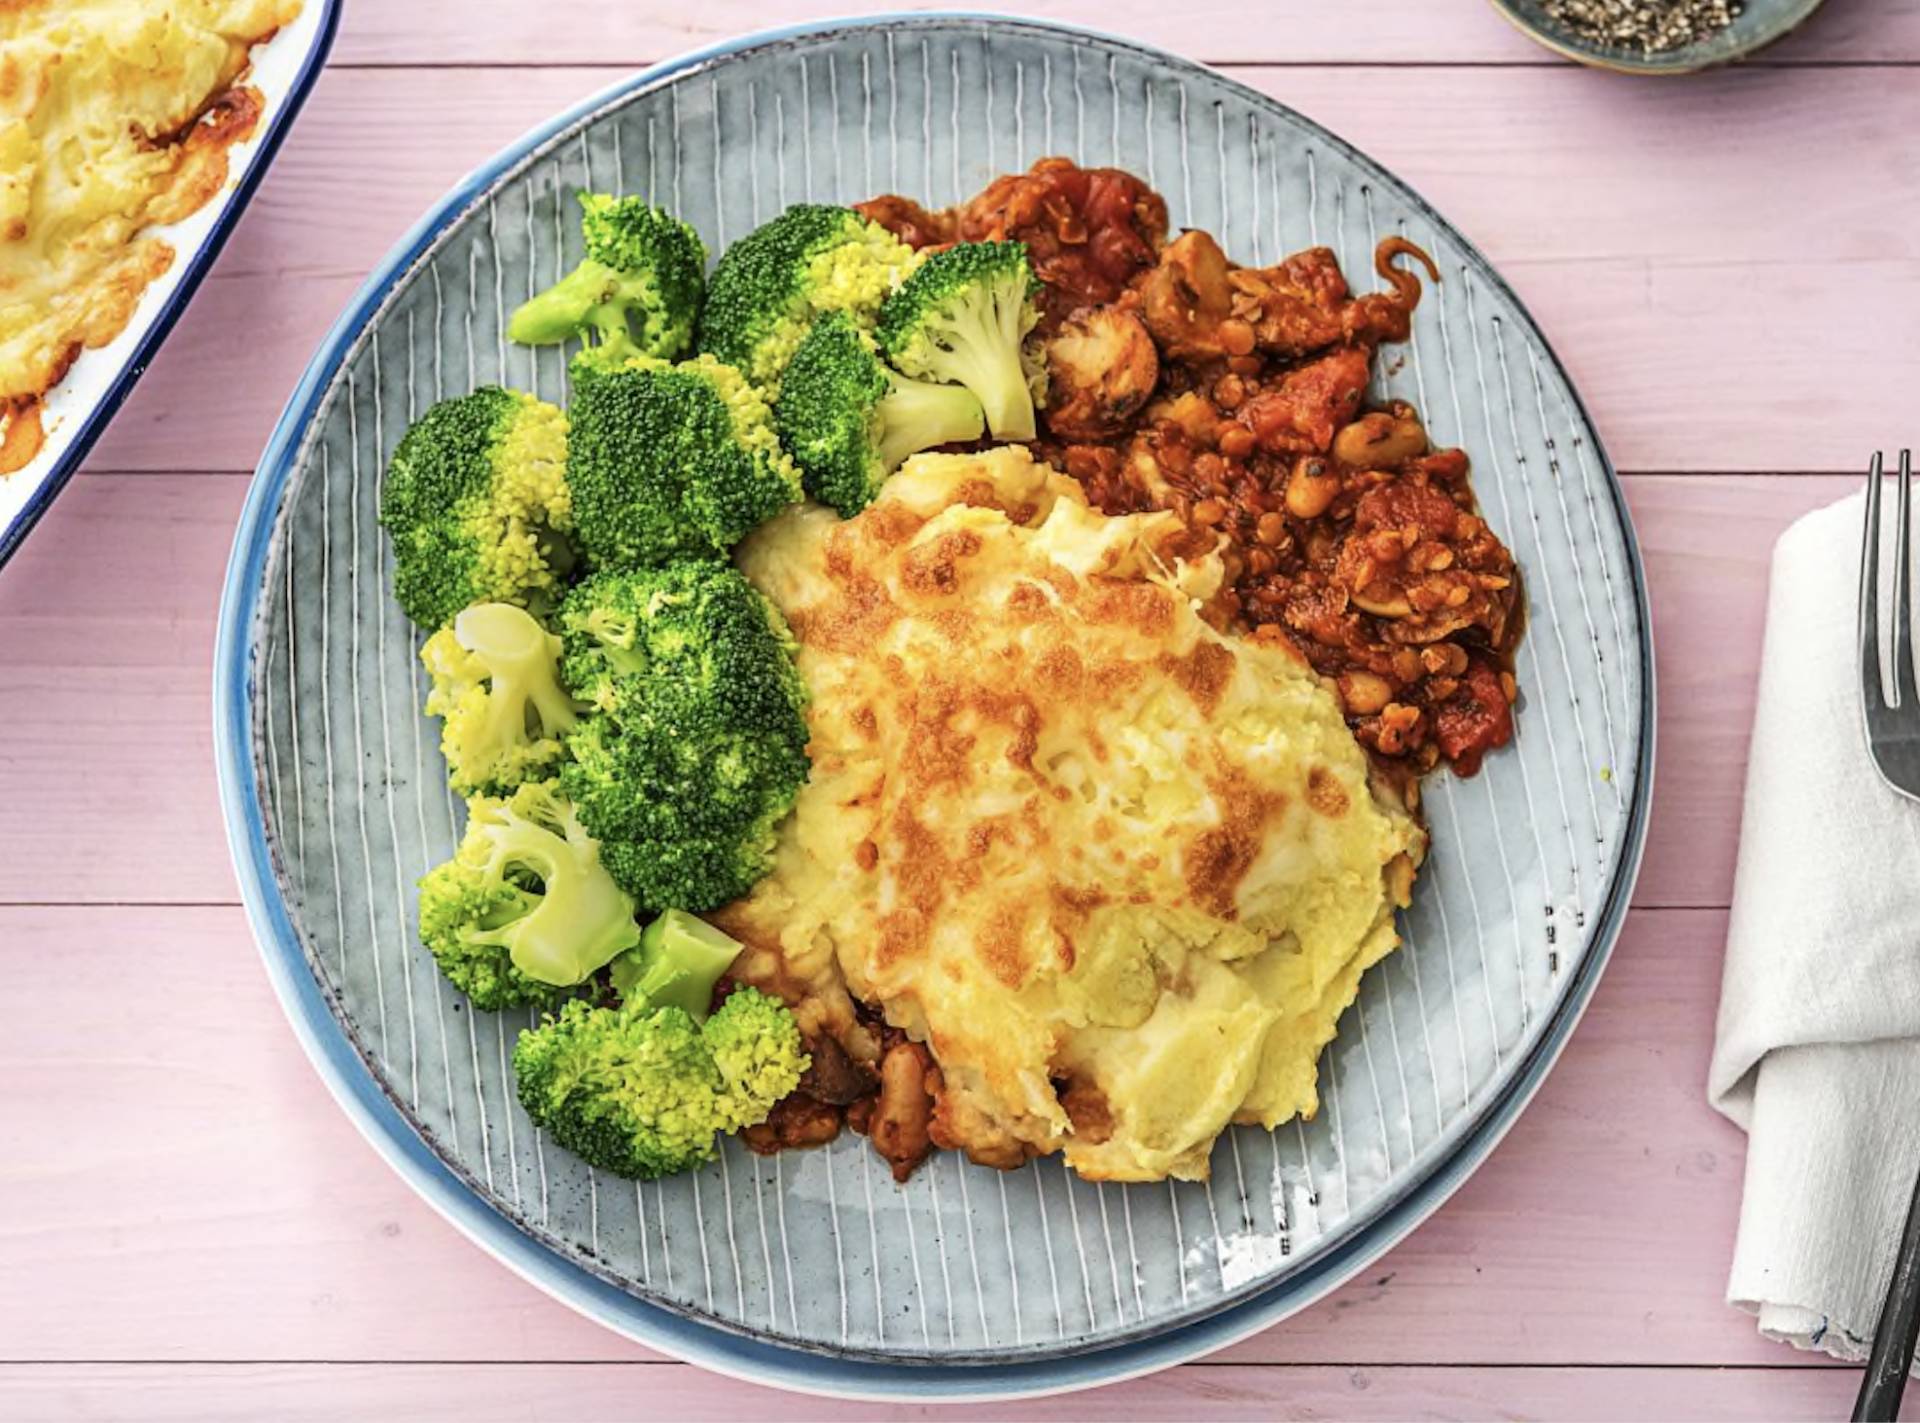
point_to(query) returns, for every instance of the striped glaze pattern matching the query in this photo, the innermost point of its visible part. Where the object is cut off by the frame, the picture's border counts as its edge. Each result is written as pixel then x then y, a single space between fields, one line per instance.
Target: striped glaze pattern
pixel 822 1250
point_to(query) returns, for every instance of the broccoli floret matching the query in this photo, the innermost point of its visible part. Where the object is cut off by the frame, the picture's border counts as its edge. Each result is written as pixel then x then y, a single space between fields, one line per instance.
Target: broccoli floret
pixel 757 1046
pixel 461 913
pixel 633 1091
pixel 641 1091
pixel 477 505
pixel 496 680
pixel 695 622
pixel 697 742
pixel 637 293
pixel 671 461
pixel 679 960
pixel 769 286
pixel 848 421
pixel 524 906
pixel 963 316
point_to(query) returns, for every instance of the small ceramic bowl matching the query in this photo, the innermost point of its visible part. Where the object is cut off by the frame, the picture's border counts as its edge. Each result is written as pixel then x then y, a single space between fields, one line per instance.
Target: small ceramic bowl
pixel 1760 24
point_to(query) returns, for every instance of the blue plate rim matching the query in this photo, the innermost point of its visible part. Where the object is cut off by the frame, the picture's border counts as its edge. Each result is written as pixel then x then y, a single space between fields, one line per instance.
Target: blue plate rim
pixel 279 124
pixel 704 1342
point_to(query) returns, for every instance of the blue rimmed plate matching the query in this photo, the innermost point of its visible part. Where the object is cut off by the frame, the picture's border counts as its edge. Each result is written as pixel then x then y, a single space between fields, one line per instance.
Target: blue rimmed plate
pixel 78 409
pixel 814 1270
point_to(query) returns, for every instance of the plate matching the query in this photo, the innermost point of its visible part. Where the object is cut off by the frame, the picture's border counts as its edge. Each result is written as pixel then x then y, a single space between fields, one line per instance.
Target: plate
pixel 814 1270
pixel 81 405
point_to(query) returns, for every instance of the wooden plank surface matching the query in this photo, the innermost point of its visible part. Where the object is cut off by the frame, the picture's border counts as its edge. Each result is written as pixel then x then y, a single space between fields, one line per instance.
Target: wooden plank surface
pixel 1217 31
pixel 462 1393
pixel 1650 231
pixel 188 1226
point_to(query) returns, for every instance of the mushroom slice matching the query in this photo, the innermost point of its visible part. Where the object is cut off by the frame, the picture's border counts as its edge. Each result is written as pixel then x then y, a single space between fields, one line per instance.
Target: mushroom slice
pixel 1101 368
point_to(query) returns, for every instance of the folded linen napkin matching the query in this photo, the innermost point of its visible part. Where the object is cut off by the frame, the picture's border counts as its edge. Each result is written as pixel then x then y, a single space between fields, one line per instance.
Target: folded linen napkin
pixel 1817 1052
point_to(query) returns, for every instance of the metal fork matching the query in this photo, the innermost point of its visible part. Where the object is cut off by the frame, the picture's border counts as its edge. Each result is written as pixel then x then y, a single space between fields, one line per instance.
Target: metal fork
pixel 1893 740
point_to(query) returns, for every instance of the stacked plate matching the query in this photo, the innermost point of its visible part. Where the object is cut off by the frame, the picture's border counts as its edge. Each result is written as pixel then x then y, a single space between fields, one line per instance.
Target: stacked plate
pixel 815 1270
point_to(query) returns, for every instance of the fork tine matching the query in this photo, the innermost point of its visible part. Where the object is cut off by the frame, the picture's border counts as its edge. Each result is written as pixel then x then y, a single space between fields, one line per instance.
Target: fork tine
pixel 1870 687
pixel 1903 689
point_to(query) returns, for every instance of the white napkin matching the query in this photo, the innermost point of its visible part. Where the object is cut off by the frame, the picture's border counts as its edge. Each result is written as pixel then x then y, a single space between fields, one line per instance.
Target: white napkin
pixel 1817 1052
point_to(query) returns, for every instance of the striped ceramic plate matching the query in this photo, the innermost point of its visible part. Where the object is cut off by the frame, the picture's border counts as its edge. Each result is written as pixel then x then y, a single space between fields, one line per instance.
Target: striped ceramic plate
pixel 337 800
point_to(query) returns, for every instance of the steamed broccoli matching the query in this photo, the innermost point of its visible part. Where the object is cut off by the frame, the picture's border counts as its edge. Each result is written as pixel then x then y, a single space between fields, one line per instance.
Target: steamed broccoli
pixel 848 421
pixel 697 742
pixel 695 622
pixel 641 1090
pixel 668 461
pixel 631 1091
pixel 757 1046
pixel 679 959
pixel 496 680
pixel 769 286
pixel 637 293
pixel 964 316
pixel 476 502
pixel 524 906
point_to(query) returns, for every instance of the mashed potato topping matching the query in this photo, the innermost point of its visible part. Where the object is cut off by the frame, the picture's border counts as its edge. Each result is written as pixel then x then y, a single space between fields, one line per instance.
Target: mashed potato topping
pixel 114 115
pixel 1120 872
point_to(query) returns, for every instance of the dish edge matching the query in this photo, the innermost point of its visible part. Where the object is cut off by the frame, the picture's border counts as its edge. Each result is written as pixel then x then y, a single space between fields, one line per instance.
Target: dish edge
pixel 279 124
pixel 737 1355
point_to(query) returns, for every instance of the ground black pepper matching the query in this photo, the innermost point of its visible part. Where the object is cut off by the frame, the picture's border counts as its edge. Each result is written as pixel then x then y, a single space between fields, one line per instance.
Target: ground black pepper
pixel 1645 26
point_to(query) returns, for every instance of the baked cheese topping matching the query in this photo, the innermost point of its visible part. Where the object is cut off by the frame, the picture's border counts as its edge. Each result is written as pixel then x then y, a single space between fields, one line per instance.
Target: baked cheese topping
pixel 115 115
pixel 1119 871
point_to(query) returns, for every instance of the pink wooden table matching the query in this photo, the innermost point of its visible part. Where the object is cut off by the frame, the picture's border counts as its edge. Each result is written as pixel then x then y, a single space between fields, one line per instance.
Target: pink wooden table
pixel 1730 266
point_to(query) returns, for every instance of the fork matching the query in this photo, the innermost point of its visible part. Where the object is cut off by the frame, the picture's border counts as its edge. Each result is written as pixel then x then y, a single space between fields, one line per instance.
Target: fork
pixel 1893 740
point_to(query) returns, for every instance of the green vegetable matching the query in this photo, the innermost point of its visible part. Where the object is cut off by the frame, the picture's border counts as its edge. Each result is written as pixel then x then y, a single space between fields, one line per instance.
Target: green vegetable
pixel 849 421
pixel 637 293
pixel 634 1092
pixel 769 286
pixel 496 680
pixel 671 461
pixel 757 1046
pixel 963 316
pixel 696 746
pixel 679 959
pixel 477 505
pixel 525 905
pixel 641 1090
